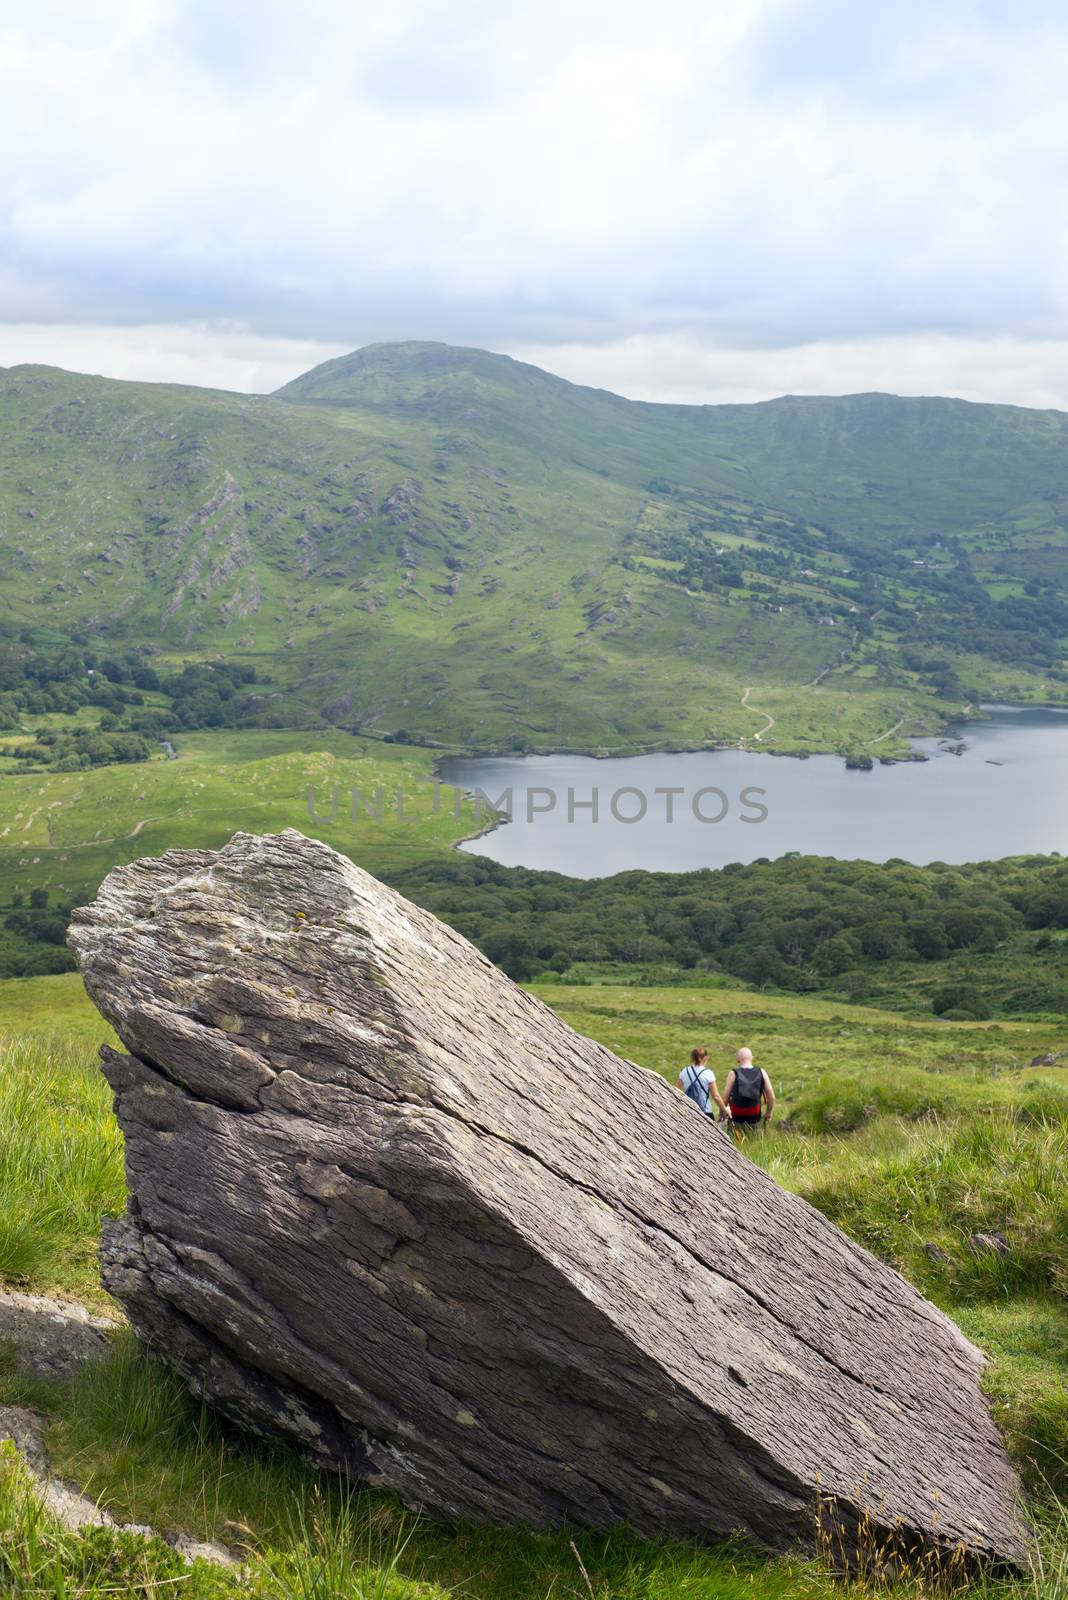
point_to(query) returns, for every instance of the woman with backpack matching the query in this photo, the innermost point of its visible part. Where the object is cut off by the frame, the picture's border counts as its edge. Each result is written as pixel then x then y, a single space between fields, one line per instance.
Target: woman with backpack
pixel 750 1097
pixel 698 1083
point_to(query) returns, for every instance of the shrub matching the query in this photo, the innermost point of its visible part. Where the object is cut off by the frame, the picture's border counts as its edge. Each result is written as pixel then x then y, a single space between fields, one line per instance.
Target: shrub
pixel 961 1002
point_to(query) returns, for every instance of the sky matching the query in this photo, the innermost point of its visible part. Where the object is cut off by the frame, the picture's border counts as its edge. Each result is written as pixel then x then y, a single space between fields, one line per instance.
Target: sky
pixel 697 200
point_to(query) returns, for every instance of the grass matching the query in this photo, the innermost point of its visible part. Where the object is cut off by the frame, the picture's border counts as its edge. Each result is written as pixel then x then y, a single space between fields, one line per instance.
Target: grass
pixel 72 828
pixel 60 1162
pixel 131 1435
pixel 446 542
pixel 817 1048
pixel 1026 1340
pixel 941 1137
pixel 39 1558
pixel 334 1556
pixel 54 1010
pixel 900 1189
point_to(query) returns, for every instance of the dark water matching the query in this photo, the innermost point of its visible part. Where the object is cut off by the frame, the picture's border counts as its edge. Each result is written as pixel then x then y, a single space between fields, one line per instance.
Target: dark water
pixel 1004 796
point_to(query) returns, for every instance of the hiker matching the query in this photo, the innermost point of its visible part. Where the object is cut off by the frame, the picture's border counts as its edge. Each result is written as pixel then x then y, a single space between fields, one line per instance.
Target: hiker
pixel 748 1091
pixel 698 1083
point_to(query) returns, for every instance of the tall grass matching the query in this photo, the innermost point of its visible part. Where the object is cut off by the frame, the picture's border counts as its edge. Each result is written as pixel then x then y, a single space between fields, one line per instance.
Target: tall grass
pixel 131 1433
pixel 932 1159
pixel 42 1560
pixel 899 1187
pixel 61 1164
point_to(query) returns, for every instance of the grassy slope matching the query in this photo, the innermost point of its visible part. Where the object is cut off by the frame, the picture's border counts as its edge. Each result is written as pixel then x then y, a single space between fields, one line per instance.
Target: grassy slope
pixel 459 545
pixel 906 1133
pixel 64 831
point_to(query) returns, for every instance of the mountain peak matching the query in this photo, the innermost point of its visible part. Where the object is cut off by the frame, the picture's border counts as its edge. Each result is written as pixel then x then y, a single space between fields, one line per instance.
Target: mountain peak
pixel 410 371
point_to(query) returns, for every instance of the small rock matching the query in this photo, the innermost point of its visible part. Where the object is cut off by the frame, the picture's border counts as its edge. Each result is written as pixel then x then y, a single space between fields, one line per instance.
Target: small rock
pixel 935 1252
pixel 1049 1060
pixel 197 1550
pixel 990 1243
pixel 25 1430
pixel 52 1337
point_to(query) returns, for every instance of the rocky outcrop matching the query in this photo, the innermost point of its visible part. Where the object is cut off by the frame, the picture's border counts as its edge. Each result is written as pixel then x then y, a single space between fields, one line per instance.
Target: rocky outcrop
pixel 390 1207
pixel 53 1339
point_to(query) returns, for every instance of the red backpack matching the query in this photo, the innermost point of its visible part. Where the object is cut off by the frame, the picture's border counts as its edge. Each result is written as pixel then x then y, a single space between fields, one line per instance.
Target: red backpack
pixel 746 1093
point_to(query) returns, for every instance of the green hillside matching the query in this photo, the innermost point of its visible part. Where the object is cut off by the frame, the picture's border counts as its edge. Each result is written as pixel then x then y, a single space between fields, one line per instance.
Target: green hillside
pixel 62 832
pixel 459 547
pixel 919 1139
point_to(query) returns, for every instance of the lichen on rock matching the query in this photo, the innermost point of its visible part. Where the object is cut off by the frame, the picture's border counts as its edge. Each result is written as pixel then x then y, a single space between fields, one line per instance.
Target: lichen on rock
pixel 390 1207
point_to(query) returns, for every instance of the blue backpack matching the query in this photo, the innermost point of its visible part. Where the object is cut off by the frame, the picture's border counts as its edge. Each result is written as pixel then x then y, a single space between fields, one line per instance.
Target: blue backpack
pixel 697 1091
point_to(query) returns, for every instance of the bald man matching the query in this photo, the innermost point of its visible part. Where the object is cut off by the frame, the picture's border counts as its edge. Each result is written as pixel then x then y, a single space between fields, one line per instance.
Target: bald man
pixel 748 1093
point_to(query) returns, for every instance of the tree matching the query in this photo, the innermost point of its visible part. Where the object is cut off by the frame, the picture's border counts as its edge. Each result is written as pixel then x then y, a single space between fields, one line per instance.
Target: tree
pixel 513 953
pixel 1050 909
pixel 963 1000
pixel 928 938
pixel 882 941
pixel 836 955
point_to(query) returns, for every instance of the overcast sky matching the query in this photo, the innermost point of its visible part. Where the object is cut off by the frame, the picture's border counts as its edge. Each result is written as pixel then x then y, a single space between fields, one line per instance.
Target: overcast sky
pixel 686 200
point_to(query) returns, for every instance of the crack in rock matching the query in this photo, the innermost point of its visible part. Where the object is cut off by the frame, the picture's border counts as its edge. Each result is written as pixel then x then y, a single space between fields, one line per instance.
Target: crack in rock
pixel 390 1207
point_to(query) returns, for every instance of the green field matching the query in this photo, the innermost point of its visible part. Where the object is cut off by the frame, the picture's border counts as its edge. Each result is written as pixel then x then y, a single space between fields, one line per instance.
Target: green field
pixel 454 545
pixel 909 1135
pixel 64 831
pixel 418 549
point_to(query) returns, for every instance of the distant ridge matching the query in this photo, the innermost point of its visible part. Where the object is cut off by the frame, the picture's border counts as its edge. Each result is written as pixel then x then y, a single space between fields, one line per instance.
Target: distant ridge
pixel 455 545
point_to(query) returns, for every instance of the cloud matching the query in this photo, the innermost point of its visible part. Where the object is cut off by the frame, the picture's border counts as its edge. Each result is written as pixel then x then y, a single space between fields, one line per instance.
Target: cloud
pixel 599 175
pixel 683 370
pixel 206 355
pixel 676 368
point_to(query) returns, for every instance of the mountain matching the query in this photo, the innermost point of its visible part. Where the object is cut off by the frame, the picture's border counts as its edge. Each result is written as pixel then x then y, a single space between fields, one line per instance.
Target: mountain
pixel 461 547
pixel 872 460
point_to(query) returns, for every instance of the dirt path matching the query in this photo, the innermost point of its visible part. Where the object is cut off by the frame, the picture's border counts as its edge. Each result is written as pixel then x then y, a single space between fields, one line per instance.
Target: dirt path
pixel 769 721
pixel 92 844
pixel 881 736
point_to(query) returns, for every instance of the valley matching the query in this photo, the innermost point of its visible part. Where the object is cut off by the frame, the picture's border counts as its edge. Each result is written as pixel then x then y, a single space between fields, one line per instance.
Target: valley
pixel 226 612
pixel 454 548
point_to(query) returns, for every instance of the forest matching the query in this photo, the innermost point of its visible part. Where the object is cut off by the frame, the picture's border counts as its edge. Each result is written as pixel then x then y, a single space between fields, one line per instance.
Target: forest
pixel 126 701
pixel 804 924
pixel 962 942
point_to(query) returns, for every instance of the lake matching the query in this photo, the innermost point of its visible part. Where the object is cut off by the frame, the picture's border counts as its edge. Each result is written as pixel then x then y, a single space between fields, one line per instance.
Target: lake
pixel 672 813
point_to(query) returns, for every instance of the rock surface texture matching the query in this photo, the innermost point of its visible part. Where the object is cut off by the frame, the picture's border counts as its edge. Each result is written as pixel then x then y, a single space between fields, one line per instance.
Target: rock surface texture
pixel 390 1207
pixel 52 1338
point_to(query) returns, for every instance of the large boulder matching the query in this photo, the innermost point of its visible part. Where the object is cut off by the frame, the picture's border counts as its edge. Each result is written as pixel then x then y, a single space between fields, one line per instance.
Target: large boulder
pixel 388 1206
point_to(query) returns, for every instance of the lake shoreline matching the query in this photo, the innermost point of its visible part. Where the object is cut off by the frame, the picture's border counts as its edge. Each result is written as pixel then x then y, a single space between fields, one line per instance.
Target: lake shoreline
pixel 967 718
pixel 583 816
